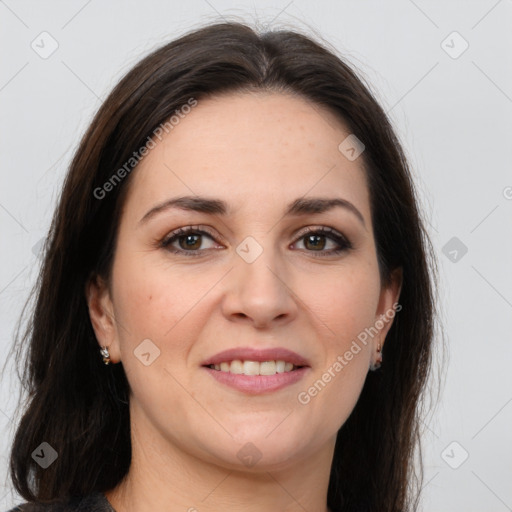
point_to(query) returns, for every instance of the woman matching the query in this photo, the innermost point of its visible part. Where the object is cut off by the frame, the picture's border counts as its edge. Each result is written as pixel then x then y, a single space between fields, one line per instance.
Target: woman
pixel 238 240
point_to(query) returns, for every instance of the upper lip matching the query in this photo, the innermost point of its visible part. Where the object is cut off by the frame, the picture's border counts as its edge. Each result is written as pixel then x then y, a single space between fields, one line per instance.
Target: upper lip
pixel 254 354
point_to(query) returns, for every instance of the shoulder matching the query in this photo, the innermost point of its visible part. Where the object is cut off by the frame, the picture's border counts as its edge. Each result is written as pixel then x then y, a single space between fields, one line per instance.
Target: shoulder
pixel 94 502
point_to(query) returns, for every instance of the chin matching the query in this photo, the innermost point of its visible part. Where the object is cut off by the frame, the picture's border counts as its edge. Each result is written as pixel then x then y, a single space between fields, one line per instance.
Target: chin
pixel 258 451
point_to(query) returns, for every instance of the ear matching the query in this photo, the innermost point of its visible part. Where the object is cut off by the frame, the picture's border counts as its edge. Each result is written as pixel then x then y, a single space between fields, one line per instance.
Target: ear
pixel 101 313
pixel 388 305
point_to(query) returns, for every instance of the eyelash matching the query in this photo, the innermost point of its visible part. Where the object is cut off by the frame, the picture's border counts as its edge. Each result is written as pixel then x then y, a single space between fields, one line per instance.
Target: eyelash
pixel 343 242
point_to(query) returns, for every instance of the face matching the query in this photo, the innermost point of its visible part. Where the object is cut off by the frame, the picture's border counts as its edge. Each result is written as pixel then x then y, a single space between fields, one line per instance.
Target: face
pixel 255 279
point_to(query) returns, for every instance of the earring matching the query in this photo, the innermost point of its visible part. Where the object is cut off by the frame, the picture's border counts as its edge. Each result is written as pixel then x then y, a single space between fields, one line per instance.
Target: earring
pixel 105 354
pixel 378 362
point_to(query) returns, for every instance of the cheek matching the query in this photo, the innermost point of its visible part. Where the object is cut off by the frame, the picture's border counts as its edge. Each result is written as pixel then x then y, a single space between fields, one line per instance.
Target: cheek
pixel 156 300
pixel 148 299
pixel 342 312
pixel 344 306
pixel 344 302
pixel 151 303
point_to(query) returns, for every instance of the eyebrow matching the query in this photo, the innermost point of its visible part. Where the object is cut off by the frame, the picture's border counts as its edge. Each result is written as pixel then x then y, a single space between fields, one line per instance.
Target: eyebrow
pixel 211 206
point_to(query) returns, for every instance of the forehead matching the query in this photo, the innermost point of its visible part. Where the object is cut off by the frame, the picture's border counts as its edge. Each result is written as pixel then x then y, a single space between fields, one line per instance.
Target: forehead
pixel 261 149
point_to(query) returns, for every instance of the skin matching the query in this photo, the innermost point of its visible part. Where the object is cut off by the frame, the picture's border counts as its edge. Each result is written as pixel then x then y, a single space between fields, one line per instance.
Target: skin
pixel 258 152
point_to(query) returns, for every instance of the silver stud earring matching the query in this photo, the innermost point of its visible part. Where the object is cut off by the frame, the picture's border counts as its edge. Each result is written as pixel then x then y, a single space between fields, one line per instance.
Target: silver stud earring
pixel 378 362
pixel 105 354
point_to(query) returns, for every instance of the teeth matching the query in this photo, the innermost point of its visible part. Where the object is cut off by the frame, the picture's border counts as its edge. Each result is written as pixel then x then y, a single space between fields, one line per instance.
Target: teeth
pixel 254 367
pixel 251 368
pixel 268 368
pixel 236 367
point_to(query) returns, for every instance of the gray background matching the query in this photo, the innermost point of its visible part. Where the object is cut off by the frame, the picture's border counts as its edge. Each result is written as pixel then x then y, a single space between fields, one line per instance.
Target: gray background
pixel 451 109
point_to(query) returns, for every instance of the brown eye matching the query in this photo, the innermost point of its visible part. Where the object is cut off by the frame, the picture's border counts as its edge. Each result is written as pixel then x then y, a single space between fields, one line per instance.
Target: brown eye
pixel 316 240
pixel 189 240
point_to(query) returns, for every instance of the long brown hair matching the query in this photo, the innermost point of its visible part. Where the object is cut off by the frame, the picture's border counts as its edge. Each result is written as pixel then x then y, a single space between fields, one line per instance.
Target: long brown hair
pixel 80 406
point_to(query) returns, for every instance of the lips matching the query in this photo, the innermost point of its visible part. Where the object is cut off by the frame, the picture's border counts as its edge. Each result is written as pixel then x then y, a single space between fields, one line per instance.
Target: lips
pixel 258 384
pixel 295 368
pixel 259 355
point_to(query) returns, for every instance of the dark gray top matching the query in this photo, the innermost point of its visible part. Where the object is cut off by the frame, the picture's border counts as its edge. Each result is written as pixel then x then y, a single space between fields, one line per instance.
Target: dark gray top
pixel 94 502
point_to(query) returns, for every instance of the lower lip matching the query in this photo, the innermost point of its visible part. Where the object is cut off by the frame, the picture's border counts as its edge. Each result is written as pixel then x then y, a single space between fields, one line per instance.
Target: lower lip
pixel 256 384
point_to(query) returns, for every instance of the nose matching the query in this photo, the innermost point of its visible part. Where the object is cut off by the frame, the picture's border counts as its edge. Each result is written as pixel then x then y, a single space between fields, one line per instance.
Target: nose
pixel 258 293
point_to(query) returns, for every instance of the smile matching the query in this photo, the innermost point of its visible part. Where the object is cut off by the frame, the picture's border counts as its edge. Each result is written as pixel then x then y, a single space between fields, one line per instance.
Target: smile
pixel 239 367
pixel 256 381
